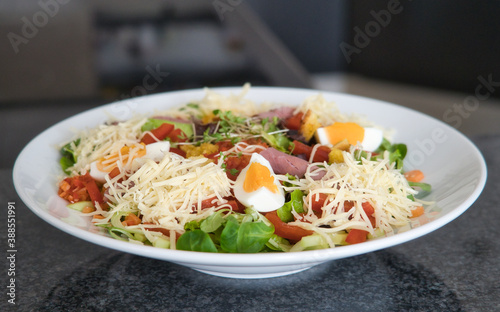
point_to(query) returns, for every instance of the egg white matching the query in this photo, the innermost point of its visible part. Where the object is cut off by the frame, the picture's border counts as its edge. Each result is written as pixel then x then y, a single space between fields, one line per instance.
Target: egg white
pixel 372 140
pixel 154 151
pixel 96 174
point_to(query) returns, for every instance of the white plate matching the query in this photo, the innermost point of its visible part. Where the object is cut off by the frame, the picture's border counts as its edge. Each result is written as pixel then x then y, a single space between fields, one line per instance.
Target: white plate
pixel 452 164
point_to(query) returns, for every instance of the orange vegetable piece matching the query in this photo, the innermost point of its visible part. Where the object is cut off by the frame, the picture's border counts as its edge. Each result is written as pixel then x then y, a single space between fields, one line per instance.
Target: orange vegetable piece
pixel 414 176
pixel 131 219
pixel 88 209
pixel 417 212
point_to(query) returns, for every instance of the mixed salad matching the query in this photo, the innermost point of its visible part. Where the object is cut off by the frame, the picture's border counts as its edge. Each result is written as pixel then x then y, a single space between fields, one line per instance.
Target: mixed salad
pixel 225 174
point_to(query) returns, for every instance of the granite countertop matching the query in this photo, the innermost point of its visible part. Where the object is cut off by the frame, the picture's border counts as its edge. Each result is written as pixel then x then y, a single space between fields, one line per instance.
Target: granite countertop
pixel 456 268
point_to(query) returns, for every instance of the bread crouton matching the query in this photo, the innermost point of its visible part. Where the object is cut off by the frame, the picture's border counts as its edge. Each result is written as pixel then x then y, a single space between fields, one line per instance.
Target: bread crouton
pixel 309 125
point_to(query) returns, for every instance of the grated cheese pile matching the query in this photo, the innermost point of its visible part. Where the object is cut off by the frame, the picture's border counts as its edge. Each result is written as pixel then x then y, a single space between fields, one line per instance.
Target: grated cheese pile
pixel 238 104
pixel 376 182
pixel 104 140
pixel 167 193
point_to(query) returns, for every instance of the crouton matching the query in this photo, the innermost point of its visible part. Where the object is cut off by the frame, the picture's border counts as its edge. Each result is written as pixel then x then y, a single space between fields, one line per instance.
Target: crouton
pixel 335 156
pixel 309 125
pixel 343 145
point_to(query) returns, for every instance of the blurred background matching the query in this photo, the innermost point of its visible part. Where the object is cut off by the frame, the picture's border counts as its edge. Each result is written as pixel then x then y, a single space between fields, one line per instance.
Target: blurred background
pixel 60 57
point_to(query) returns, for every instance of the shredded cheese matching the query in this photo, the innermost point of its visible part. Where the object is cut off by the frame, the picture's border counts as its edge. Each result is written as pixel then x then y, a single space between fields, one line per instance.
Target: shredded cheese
pixel 238 104
pixel 105 140
pixel 375 182
pixel 168 193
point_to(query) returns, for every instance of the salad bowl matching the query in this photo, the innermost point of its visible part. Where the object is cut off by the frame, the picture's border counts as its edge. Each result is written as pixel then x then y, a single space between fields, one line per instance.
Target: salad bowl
pixel 453 166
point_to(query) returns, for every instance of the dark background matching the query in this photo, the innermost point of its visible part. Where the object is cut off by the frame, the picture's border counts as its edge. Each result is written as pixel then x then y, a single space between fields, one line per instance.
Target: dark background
pixel 99 50
pixel 442 44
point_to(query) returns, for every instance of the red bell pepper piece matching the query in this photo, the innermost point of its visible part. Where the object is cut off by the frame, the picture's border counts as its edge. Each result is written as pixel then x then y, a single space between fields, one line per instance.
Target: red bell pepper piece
pixel 160 133
pixel 291 232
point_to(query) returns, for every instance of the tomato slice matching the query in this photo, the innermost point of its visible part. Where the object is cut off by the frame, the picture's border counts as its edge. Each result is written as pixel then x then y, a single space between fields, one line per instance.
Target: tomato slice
pixel 318 201
pixel 231 201
pixel 178 151
pixel 321 154
pixel 300 148
pixel 294 122
pixel 92 188
pixel 356 236
pixel 163 231
pixel 369 210
pixel 291 232
pixel 224 145
pixel 177 135
pixel 236 206
pixel 234 165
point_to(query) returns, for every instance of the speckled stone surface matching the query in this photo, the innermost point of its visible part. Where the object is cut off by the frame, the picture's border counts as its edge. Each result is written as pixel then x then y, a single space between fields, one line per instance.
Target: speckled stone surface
pixel 456 268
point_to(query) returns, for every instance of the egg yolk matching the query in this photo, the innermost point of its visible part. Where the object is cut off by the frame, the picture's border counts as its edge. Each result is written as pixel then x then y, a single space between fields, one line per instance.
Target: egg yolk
pixel 258 176
pixel 108 163
pixel 339 131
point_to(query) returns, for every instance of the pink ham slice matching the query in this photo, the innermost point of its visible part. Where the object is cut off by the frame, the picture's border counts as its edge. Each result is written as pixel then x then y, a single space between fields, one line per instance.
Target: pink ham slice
pixel 282 113
pixel 171 119
pixel 283 163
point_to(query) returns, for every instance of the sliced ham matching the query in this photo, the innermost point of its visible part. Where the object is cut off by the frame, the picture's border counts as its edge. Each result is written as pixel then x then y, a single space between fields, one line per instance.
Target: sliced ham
pixel 283 163
pixel 282 113
pixel 171 119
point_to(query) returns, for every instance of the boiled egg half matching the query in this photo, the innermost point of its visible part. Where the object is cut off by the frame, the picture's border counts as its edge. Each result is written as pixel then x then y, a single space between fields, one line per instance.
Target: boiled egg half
pixel 99 169
pixel 370 138
pixel 257 186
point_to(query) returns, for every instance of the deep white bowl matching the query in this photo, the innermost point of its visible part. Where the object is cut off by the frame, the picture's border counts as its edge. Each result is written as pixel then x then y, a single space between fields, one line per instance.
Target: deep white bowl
pixel 451 163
